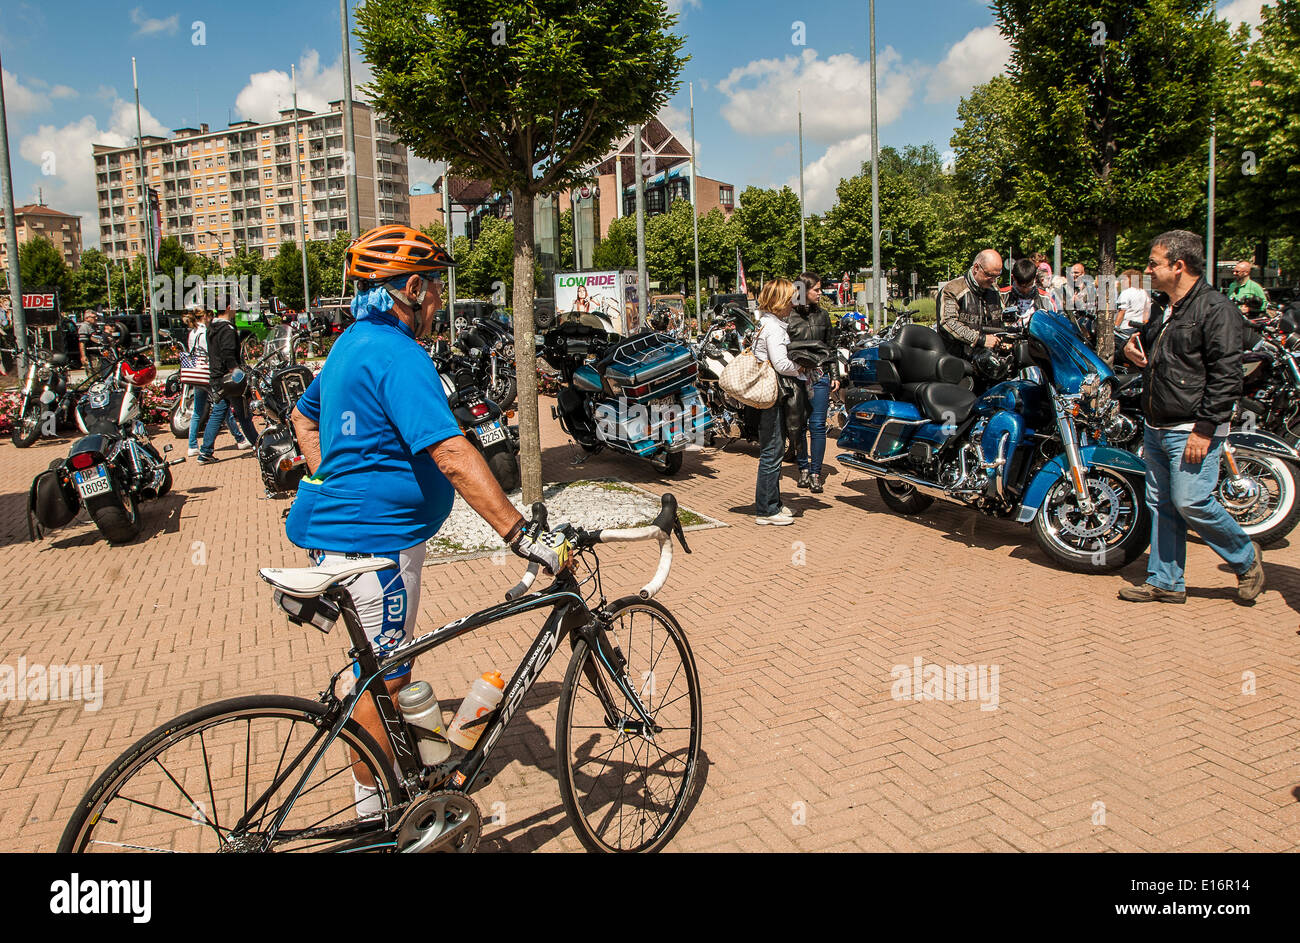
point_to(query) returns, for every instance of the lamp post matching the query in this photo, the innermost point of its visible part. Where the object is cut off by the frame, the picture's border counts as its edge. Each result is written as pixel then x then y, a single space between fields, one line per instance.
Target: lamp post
pixel 875 182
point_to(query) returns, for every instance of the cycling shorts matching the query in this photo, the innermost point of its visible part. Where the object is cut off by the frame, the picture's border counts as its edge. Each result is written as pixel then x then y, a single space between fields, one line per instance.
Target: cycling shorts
pixel 387 601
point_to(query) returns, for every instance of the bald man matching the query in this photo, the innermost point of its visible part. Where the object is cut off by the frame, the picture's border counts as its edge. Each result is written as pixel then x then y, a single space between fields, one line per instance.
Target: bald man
pixel 971 303
pixel 1244 288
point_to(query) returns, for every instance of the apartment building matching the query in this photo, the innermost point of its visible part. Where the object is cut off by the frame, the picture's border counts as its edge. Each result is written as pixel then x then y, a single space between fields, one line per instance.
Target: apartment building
pixel 60 228
pixel 219 191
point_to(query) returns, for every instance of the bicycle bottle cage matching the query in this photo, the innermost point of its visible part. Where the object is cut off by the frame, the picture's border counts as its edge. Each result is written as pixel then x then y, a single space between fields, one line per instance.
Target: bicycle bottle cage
pixel 318 611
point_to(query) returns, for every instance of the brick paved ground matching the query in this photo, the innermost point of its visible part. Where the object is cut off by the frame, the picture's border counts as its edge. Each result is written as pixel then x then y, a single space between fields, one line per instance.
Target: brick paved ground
pixel 1135 711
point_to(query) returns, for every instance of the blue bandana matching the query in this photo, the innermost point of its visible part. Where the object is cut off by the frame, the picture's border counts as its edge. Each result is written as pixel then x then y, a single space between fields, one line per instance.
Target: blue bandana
pixel 375 301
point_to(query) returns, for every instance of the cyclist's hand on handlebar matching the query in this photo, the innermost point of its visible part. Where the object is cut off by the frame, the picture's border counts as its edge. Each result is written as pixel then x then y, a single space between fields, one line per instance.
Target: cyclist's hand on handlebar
pixel 549 549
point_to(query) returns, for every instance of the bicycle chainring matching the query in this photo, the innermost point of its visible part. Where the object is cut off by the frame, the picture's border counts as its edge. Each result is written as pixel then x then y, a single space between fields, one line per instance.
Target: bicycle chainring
pixel 440 821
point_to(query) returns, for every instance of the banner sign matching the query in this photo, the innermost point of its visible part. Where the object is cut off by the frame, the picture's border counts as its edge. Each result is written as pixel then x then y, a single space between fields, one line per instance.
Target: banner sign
pixel 610 294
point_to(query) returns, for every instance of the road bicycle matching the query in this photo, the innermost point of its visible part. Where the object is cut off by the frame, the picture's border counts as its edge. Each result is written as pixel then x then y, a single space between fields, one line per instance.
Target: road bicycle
pixel 271 773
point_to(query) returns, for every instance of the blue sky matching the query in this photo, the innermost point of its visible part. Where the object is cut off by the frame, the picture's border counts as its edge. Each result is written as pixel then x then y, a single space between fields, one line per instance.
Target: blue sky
pixel 67 79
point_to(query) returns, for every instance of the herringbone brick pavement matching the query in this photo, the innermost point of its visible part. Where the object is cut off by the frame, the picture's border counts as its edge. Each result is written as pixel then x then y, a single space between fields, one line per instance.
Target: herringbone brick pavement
pixel 1117 727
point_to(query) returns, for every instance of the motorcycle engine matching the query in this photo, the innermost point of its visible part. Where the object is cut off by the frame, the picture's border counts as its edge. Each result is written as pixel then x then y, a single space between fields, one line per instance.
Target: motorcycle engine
pixel 965 472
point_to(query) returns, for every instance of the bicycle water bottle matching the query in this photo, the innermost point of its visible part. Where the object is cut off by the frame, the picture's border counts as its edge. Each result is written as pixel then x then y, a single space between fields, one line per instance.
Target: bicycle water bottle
pixel 420 709
pixel 484 695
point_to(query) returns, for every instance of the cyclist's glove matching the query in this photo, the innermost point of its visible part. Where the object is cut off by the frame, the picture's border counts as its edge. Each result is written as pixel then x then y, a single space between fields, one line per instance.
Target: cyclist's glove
pixel 550 549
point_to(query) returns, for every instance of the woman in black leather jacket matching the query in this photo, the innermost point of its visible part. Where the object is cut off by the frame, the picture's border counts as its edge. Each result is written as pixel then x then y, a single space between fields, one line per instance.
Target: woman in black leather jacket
pixel 809 322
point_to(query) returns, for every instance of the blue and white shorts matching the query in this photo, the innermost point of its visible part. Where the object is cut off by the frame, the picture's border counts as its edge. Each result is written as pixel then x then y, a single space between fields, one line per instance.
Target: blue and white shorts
pixel 387 601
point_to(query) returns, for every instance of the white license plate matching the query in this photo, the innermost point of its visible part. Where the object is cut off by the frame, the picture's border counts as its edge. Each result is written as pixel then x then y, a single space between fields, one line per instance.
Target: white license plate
pixel 93 482
pixel 490 433
pixel 663 402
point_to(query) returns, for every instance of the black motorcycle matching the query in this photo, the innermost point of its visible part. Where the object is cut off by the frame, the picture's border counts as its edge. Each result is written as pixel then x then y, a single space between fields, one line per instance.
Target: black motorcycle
pixel 113 467
pixel 728 334
pixel 483 421
pixel 489 344
pixel 47 398
pixel 276 382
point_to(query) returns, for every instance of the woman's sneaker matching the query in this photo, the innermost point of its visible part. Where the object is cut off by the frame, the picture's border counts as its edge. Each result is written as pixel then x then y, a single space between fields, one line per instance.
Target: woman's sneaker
pixel 816 484
pixel 777 520
pixel 805 479
pixel 192 452
pixel 243 444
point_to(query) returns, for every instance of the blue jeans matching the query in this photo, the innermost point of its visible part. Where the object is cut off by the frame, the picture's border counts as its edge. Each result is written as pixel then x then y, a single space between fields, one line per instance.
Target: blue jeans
pixel 221 413
pixel 196 417
pixel 771 440
pixel 819 402
pixel 1180 495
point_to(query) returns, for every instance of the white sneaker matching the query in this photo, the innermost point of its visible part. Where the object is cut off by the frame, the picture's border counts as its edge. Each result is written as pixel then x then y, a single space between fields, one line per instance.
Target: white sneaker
pixel 243 444
pixel 193 452
pixel 785 512
pixel 369 804
pixel 777 520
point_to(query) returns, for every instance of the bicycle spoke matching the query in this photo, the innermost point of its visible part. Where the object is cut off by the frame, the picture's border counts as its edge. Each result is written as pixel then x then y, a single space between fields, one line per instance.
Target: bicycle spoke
pixel 181 789
pixel 207 771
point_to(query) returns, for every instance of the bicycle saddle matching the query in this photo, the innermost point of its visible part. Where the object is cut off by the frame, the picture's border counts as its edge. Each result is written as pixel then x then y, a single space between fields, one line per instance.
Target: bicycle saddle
pixel 309 581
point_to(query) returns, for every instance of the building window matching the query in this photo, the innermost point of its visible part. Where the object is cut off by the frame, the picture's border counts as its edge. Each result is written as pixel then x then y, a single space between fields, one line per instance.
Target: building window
pixel 266 175
pixel 266 135
pixel 212 201
pixel 725 196
pixel 266 155
pixel 225 198
pixel 654 201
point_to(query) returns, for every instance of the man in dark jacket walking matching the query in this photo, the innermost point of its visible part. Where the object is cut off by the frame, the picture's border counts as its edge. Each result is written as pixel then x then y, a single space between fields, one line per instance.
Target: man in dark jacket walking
pixel 810 322
pixel 1191 360
pixel 223 357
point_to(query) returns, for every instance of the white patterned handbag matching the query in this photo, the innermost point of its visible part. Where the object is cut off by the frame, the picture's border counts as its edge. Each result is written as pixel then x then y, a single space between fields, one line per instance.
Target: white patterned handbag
pixel 750 381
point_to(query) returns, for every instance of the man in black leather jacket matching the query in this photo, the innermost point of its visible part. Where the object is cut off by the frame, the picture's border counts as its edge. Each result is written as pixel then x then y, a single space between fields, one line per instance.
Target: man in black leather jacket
pixel 1191 360
pixel 970 303
pixel 809 322
pixel 223 357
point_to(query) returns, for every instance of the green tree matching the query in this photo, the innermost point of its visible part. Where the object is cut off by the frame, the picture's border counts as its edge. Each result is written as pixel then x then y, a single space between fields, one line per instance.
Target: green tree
pixel 1120 93
pixel 89 288
pixel 616 250
pixel 287 267
pixel 41 267
pixel 1259 143
pixel 552 84
pixel 767 224
pixel 487 269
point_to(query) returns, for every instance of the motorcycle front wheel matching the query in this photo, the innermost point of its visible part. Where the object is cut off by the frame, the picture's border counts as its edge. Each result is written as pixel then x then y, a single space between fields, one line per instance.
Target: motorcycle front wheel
pixel 1109 537
pixel 26 430
pixel 180 416
pixel 1262 498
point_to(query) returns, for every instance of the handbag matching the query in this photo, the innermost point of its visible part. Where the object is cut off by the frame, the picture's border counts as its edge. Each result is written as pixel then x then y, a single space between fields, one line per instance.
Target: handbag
pixel 194 369
pixel 750 381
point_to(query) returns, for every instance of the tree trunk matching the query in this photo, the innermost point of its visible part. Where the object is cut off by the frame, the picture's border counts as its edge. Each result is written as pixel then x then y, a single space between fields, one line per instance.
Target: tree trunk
pixel 1261 254
pixel 1107 290
pixel 530 432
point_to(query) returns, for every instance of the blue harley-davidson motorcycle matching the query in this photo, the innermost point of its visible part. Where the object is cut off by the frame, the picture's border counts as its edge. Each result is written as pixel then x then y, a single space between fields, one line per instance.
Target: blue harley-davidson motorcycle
pixel 636 394
pixel 1027 448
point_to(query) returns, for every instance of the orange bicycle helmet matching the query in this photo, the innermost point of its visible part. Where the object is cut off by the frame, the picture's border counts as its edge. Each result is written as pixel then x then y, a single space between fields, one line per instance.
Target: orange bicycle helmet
pixel 394 250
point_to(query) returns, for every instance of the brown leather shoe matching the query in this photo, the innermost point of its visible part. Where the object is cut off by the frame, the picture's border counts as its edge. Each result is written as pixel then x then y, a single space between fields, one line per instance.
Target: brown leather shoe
pixel 1148 593
pixel 1251 583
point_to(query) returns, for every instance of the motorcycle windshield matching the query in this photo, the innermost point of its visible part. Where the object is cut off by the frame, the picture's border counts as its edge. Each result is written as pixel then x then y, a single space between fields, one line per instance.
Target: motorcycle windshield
pixel 280 341
pixel 1071 358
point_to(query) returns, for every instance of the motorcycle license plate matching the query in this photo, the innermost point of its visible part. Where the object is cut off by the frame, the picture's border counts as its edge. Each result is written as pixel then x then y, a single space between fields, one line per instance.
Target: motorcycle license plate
pixel 491 433
pixel 93 481
pixel 664 402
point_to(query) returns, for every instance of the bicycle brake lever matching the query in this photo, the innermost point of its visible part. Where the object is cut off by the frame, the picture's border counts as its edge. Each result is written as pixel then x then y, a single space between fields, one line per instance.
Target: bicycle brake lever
pixel 680 535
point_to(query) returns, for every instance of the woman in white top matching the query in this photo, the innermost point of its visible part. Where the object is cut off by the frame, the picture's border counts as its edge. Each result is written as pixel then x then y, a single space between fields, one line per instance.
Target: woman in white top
pixel 775 302
pixel 197 322
pixel 1134 303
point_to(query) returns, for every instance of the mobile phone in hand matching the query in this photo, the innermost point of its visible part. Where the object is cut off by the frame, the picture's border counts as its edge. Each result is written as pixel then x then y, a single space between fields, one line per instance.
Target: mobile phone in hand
pixel 1137 339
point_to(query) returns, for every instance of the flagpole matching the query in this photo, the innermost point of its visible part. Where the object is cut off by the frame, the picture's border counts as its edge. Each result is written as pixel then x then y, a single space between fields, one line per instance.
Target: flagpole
pixel 875 182
pixel 803 253
pixel 642 277
pixel 143 180
pixel 297 190
pixel 11 240
pixel 695 217
pixel 349 131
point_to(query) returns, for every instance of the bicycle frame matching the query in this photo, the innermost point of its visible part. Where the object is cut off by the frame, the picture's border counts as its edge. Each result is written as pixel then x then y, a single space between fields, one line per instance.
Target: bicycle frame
pixel 570 613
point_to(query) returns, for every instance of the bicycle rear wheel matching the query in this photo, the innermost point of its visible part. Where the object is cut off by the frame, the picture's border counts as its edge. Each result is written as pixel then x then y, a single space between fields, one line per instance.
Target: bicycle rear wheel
pixel 626 788
pixel 216 778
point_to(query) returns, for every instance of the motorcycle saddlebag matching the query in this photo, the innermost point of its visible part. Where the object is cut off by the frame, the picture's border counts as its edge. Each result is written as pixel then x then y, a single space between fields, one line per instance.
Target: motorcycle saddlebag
pixel 875 366
pixel 881 428
pixel 649 359
pixel 50 502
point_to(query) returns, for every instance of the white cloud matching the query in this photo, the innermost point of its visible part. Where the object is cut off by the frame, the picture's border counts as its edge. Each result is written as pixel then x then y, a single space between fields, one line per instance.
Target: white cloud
pixel 63 91
pixel 761 96
pixel 67 151
pixel 149 27
pixel 974 59
pixel 22 99
pixel 268 93
pixel 421 170
pixel 1244 11
pixel 823 175
pixel 679 6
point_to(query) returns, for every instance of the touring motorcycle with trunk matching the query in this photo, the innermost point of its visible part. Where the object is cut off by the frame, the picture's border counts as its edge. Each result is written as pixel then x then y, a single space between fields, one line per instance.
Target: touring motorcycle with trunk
pixel 636 395
pixel 1025 450
pixel 113 467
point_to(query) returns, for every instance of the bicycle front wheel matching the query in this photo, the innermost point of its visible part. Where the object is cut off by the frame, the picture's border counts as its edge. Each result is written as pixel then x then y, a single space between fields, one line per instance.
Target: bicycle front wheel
pixel 218 777
pixel 627 786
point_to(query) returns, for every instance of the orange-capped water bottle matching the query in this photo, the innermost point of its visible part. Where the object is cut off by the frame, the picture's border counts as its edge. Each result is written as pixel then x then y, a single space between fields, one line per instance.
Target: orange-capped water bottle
pixel 484 695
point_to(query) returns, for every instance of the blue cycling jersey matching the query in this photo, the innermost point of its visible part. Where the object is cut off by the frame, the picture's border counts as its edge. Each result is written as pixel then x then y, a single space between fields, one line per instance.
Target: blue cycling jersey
pixel 380 404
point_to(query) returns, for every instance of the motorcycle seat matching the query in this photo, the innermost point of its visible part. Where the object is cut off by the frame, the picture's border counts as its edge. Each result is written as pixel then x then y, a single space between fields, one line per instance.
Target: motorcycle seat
pixel 925 359
pixel 1124 380
pixel 308 581
pixel 942 402
pixel 58 360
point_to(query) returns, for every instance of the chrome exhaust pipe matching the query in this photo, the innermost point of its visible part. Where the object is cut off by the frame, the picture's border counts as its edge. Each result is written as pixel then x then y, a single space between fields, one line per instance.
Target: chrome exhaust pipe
pixel 879 471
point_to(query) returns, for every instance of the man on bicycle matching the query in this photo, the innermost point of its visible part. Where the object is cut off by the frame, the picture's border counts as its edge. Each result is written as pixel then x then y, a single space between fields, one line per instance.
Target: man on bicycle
pixel 384 452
